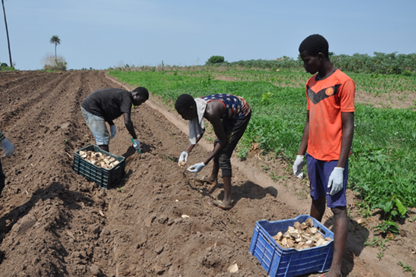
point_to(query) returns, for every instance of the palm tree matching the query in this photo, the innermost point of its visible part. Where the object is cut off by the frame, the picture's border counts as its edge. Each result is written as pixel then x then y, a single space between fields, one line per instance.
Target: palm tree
pixel 7 33
pixel 55 40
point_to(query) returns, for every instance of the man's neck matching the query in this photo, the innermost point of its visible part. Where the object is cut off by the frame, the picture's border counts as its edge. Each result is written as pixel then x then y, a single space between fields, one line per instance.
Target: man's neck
pixel 326 70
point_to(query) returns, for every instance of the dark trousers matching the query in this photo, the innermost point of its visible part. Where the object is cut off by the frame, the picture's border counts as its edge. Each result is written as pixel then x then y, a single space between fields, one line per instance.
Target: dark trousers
pixel 2 178
pixel 234 130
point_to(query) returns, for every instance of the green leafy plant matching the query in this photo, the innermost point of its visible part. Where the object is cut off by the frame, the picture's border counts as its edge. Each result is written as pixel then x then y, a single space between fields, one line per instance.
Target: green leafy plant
pixel 395 207
pixel 363 209
pixel 380 243
pixel 266 97
pixel 242 153
pixel 407 268
pixel 387 226
pixel 412 219
pixel 380 255
pixel 375 242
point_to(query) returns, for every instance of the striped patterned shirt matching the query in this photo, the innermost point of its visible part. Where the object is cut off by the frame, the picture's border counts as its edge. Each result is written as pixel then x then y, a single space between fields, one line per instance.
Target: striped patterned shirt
pixel 235 106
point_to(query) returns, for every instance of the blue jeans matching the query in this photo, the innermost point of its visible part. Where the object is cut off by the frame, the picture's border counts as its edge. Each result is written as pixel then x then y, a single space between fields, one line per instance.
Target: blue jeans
pixel 97 126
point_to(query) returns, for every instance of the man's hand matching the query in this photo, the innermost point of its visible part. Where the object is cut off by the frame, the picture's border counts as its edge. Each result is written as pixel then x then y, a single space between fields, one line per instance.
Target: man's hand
pixel 113 131
pixel 298 165
pixel 336 180
pixel 196 167
pixel 183 158
pixel 8 148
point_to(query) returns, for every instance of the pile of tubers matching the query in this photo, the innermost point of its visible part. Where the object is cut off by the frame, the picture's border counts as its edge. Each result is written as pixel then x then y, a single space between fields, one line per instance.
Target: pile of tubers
pixel 99 159
pixel 301 236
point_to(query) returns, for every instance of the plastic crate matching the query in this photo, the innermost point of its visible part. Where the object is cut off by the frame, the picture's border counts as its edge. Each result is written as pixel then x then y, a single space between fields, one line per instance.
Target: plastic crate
pixel 288 262
pixel 105 178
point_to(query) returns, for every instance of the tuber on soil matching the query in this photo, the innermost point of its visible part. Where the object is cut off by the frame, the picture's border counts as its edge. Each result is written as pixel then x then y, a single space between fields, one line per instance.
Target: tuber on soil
pixel 301 236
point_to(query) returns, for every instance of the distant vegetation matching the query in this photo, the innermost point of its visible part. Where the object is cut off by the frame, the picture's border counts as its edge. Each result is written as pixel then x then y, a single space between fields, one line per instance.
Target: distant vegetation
pixel 5 67
pixel 215 60
pixel 377 65
pixel 50 63
pixel 380 63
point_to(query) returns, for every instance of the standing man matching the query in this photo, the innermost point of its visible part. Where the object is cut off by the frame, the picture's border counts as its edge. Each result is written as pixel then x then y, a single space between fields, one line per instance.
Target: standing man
pixel 327 139
pixel 107 104
pixel 229 116
pixel 8 149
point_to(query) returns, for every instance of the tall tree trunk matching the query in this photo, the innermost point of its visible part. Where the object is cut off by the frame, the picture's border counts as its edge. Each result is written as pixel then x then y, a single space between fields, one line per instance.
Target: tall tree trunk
pixel 7 33
pixel 55 52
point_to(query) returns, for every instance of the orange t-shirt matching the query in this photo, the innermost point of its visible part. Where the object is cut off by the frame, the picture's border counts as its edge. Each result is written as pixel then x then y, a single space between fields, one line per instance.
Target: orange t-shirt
pixel 327 98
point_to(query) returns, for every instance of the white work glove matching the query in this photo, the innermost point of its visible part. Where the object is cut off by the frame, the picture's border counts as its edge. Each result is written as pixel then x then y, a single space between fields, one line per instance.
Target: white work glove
pixel 183 157
pixel 336 180
pixel 298 165
pixel 196 167
pixel 136 144
pixel 8 147
pixel 113 131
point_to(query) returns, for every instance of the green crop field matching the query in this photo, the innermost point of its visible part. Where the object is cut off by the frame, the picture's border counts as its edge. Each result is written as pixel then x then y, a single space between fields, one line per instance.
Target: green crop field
pixel 382 163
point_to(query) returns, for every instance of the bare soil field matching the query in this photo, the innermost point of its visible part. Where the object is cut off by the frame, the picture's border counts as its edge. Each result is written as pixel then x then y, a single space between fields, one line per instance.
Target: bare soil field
pixel 157 222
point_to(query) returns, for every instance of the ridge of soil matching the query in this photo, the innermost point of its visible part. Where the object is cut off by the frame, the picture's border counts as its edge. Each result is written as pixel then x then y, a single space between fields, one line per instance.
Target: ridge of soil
pixel 53 222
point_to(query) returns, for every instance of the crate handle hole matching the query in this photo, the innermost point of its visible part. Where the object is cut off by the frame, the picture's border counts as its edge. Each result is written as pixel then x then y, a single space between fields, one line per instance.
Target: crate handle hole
pixel 322 231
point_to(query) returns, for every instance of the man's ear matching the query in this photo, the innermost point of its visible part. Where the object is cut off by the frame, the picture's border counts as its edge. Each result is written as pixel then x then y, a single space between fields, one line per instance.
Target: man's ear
pixel 321 56
pixel 192 108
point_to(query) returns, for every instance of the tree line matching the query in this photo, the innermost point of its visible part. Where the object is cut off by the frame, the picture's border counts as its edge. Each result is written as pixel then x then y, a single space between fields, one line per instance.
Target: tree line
pixel 380 63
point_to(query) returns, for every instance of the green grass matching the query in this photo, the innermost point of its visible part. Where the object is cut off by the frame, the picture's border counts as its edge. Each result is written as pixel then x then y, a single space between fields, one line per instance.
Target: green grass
pixel 382 166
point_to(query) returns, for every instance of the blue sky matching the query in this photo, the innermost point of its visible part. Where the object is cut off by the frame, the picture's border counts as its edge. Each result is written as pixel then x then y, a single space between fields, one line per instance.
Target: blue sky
pixel 106 33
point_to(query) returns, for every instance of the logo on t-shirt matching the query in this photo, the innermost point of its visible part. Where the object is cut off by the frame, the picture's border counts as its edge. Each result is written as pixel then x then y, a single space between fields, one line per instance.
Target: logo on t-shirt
pixel 329 91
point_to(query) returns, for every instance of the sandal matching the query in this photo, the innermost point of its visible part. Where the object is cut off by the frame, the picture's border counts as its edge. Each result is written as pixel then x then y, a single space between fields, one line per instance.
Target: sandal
pixel 219 204
pixel 201 179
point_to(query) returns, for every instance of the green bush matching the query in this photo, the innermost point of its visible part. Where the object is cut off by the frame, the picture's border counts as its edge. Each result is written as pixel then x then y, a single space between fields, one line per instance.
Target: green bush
pixel 58 66
pixel 215 59
pixel 52 64
pixel 5 67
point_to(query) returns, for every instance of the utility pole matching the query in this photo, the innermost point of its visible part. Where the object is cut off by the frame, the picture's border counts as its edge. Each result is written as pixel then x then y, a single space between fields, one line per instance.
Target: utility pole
pixel 7 33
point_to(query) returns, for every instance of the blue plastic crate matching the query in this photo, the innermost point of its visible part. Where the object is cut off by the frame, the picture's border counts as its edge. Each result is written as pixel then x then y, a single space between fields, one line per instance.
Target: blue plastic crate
pixel 105 178
pixel 288 262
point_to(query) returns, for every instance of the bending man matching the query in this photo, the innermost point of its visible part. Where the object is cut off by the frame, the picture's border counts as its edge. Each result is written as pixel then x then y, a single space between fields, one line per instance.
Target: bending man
pixel 107 104
pixel 229 116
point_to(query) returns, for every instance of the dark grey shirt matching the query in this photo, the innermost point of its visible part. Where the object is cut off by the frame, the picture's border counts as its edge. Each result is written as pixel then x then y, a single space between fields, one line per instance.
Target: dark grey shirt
pixel 109 103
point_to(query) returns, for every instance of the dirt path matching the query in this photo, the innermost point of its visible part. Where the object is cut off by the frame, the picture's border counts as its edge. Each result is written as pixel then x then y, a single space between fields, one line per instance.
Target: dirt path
pixel 55 223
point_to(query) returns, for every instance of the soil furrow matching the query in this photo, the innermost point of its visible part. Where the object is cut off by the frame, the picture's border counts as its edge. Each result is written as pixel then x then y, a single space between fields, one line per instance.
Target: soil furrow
pixel 12 114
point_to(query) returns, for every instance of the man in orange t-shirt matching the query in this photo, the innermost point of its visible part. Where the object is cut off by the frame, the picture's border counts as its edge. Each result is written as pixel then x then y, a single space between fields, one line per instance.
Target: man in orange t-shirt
pixel 327 139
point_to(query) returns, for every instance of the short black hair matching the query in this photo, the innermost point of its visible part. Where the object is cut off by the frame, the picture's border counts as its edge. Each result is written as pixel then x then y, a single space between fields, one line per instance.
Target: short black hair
pixel 184 102
pixel 314 44
pixel 143 92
